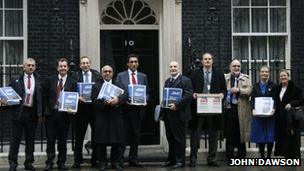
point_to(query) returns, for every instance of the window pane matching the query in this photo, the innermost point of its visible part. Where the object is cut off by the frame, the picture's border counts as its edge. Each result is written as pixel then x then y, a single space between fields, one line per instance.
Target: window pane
pixel 13 3
pixel 241 20
pixel 240 2
pixel 14 51
pixel 1 2
pixel 1 23
pixel 240 47
pixel 13 23
pixel 278 20
pixel 258 48
pixel 277 47
pixel 277 2
pixel 259 20
pixel 259 2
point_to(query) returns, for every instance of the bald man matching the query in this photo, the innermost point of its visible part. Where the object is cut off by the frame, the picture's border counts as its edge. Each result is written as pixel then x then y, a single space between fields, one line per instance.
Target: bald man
pixel 108 121
pixel 176 117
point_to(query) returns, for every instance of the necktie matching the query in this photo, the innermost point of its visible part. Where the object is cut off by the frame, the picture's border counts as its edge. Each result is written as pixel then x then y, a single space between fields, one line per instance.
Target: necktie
pixel 208 77
pixel 86 77
pixel 59 88
pixel 133 78
pixel 28 94
pixel 171 82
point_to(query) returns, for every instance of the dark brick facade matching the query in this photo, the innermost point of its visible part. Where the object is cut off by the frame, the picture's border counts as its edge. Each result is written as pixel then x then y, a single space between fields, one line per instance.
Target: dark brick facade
pixel 297 41
pixel 208 24
pixel 52 24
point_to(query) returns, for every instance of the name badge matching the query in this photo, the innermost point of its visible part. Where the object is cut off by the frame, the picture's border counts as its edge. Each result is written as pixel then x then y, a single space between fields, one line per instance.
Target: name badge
pixel 208 87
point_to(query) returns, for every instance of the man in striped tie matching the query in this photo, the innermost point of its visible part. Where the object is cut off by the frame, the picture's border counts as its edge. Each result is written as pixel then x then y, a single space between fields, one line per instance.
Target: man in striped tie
pixel 24 116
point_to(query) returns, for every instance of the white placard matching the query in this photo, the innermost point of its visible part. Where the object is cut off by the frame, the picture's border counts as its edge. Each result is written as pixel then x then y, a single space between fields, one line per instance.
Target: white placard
pixel 263 106
pixel 209 104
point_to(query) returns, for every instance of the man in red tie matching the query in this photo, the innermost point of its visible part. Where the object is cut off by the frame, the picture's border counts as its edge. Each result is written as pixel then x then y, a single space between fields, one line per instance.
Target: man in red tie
pixel 24 116
pixel 57 123
pixel 134 114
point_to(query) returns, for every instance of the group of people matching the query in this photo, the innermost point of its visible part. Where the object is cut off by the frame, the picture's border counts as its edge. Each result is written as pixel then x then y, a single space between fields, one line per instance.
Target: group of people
pixel 116 122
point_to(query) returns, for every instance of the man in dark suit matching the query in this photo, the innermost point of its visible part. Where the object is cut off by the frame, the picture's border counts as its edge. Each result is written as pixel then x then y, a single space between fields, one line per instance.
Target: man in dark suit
pixel 134 114
pixel 206 80
pixel 85 114
pixel 176 116
pixel 57 123
pixel 24 116
pixel 108 121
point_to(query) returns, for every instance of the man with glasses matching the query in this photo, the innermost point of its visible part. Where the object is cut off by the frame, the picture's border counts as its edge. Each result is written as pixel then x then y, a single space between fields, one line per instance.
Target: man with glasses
pixel 237 111
pixel 134 114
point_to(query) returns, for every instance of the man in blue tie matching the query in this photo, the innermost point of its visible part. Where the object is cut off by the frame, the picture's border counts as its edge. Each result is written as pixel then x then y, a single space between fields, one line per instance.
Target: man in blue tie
pixel 85 114
pixel 134 114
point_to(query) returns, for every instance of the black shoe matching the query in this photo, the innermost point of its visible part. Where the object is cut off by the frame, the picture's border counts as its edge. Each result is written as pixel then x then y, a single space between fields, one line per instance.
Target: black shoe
pixel 192 163
pixel 12 168
pixel 76 165
pixel 94 164
pixel 116 166
pixel 102 167
pixel 29 167
pixel 168 164
pixel 62 167
pixel 213 164
pixel 178 165
pixel 134 164
pixel 48 167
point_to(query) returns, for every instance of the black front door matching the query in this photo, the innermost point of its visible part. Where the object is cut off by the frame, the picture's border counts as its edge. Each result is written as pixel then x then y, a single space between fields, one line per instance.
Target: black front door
pixel 115 47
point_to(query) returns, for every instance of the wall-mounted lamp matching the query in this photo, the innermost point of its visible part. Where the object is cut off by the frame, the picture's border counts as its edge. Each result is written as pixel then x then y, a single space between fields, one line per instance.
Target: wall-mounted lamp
pixel 83 2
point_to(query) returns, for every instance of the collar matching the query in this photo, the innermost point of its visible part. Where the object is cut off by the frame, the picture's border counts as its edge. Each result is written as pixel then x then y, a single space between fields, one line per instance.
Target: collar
pixel 130 72
pixel 110 81
pixel 64 77
pixel 210 70
pixel 89 72
pixel 26 75
pixel 175 77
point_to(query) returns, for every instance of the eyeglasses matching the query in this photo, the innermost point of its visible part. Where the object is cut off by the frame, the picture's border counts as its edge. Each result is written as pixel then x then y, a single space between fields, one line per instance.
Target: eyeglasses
pixel 236 66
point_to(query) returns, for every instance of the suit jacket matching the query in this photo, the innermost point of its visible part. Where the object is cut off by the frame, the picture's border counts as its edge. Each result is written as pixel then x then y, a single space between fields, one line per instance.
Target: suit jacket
pixel 183 106
pixel 142 79
pixel 49 89
pixel 18 86
pixel 218 85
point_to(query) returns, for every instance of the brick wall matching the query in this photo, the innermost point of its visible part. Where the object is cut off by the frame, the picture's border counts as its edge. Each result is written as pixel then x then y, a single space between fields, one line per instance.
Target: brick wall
pixel 208 24
pixel 52 24
pixel 297 41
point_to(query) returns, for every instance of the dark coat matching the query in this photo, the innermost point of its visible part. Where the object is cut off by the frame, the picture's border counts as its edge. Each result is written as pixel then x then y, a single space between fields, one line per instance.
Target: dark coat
pixel 183 106
pixel 262 128
pixel 287 143
pixel 109 122
pixel 123 77
pixel 18 86
pixel 218 85
pixel 49 91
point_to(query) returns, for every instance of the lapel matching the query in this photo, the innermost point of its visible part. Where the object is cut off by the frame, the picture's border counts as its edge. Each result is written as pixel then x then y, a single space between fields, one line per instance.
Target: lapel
pixel 80 76
pixel 126 79
pixel 177 81
pixel 21 82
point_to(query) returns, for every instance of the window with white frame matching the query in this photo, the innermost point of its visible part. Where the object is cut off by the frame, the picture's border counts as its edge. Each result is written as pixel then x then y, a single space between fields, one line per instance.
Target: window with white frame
pixel 260 34
pixel 12 31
